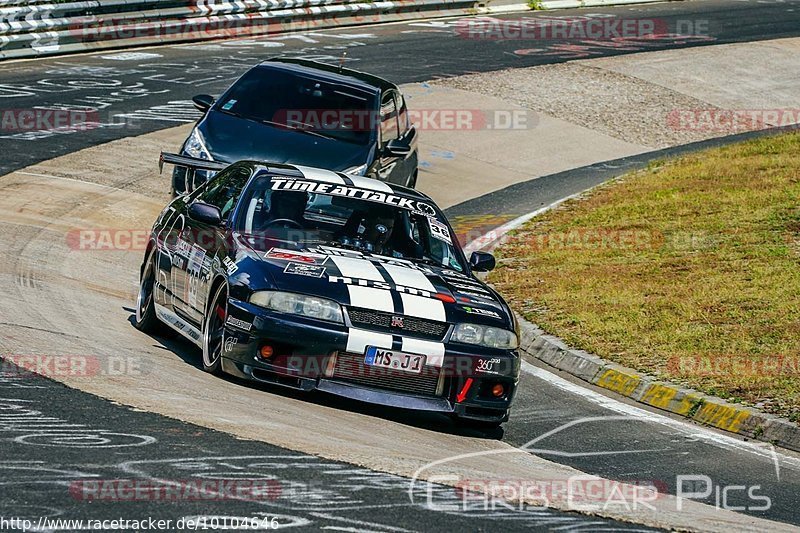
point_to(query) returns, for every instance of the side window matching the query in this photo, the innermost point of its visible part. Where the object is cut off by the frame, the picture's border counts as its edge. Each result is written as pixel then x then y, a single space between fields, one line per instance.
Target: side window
pixel 402 114
pixel 224 189
pixel 388 118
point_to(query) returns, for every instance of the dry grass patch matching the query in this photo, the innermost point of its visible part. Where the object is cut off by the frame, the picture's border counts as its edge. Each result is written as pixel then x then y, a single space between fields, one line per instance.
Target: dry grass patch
pixel 689 270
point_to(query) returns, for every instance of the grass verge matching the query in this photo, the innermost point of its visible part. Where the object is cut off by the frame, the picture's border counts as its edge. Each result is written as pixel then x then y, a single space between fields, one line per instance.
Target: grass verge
pixel 688 270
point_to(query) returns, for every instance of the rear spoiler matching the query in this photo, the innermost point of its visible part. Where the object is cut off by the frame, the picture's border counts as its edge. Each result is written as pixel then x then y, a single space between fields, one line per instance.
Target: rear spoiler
pixel 189 163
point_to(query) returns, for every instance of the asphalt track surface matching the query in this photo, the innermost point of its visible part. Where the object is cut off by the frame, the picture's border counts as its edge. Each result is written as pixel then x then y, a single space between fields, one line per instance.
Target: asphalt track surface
pixel 87 471
pixel 642 446
pixel 137 93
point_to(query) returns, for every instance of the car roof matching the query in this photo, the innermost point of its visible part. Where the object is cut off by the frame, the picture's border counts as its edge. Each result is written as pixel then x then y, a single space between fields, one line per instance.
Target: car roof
pixel 322 175
pixel 330 72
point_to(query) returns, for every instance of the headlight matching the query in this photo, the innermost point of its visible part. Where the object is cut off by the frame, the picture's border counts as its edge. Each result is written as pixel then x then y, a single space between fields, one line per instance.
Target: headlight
pixel 358 171
pixel 298 304
pixel 485 336
pixel 196 146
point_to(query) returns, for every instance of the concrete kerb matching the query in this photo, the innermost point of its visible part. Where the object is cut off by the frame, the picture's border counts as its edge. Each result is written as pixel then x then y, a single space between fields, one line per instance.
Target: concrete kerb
pixel 701 408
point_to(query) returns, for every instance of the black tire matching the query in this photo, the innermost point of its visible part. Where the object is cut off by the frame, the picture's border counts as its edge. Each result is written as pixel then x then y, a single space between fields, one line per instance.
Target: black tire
pixel 146 319
pixel 214 331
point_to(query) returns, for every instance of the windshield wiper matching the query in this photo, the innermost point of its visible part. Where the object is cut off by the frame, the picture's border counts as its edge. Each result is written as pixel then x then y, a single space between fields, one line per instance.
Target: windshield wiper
pixel 304 130
pixel 278 124
pixel 426 261
pixel 233 113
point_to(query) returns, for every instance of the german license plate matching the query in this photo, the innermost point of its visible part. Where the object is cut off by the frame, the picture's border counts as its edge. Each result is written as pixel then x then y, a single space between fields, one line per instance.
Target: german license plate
pixel 407 362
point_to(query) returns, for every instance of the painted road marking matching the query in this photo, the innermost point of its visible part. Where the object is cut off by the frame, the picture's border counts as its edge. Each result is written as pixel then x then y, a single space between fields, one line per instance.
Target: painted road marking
pixel 760 449
pixel 494 237
pixel 73 180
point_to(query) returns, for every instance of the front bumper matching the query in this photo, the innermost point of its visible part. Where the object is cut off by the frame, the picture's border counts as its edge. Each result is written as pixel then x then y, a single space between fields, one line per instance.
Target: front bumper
pixel 310 354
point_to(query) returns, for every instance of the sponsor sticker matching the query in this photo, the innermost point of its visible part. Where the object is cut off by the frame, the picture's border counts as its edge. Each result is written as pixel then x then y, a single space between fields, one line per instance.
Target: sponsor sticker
pixel 230 266
pixel 290 184
pixel 178 262
pixel 184 248
pixel 230 343
pixel 487 366
pixel 177 323
pixel 237 323
pixel 481 312
pixel 439 231
pixel 338 252
pixel 475 294
pixel 383 285
pixel 303 269
pixel 196 267
pixel 297 256
pixel 469 287
pixel 206 266
pixel 447 273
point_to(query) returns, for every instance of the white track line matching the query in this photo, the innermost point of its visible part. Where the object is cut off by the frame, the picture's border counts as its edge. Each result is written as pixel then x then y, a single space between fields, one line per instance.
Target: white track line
pixel 73 180
pixel 494 237
pixel 761 449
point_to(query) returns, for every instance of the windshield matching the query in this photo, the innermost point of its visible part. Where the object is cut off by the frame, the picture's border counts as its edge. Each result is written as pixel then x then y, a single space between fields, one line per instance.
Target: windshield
pixel 299 102
pixel 297 214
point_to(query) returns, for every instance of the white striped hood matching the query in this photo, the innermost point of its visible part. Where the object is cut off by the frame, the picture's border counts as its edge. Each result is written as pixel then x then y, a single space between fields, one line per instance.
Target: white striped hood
pixel 379 283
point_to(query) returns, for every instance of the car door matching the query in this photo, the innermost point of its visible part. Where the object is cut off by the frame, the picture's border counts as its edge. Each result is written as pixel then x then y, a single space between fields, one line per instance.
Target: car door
pixel 387 168
pixel 170 227
pixel 200 243
pixel 405 171
pixel 397 154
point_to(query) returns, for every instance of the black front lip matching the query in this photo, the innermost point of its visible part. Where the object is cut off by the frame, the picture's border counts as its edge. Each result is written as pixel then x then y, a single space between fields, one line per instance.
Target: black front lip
pixel 315 341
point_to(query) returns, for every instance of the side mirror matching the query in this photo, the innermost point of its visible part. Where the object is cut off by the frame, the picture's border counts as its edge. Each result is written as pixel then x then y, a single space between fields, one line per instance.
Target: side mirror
pixel 205 213
pixel 398 148
pixel 482 262
pixel 203 102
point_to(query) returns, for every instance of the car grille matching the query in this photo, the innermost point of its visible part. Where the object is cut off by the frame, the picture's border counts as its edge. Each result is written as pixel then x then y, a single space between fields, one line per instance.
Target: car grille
pixel 412 326
pixel 350 368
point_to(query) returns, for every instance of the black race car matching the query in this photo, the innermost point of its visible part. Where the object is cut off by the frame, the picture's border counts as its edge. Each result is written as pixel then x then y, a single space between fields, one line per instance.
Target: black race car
pixel 306 113
pixel 313 279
